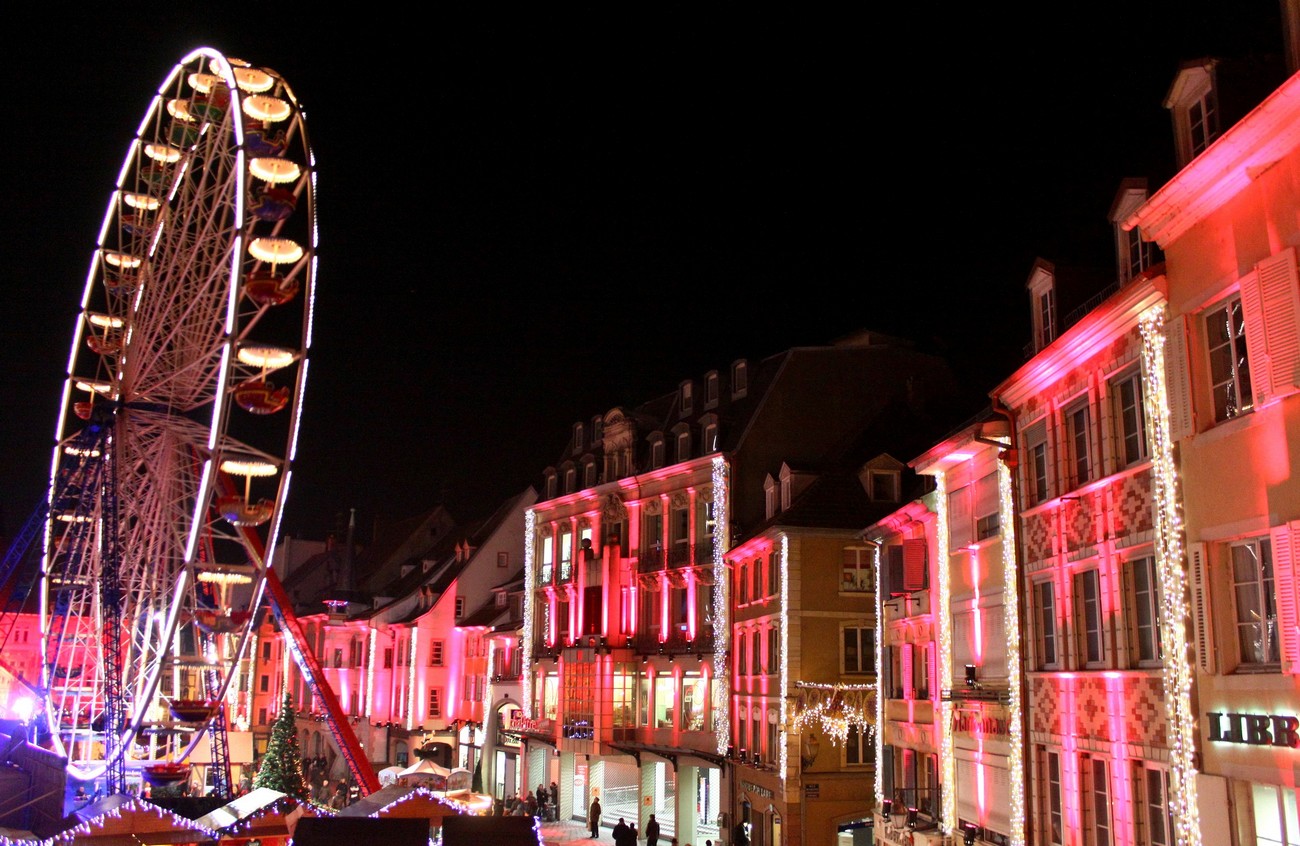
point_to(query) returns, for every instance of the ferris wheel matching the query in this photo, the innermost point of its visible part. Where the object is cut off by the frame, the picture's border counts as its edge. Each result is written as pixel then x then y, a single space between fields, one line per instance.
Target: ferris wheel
pixel 178 422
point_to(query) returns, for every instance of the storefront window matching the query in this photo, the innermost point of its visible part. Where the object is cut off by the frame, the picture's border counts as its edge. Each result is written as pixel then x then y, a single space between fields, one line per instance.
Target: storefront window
pixel 1276 822
pixel 664 701
pixel 694 696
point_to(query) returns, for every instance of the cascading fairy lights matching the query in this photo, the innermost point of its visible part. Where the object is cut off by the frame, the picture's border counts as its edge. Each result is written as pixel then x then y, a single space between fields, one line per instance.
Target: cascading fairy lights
pixel 526 675
pixel 880 700
pixel 721 617
pixel 834 708
pixel 947 757
pixel 785 650
pixel 1177 670
pixel 1011 612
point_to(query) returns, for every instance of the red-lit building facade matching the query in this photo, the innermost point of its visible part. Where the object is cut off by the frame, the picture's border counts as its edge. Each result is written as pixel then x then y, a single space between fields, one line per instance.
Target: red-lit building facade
pixel 632 677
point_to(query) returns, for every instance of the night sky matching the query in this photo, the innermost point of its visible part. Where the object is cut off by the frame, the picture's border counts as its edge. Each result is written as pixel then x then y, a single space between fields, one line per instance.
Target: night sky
pixel 527 221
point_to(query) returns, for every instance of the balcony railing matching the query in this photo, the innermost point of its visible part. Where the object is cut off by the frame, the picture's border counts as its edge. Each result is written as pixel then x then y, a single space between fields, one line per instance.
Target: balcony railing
pixel 678 641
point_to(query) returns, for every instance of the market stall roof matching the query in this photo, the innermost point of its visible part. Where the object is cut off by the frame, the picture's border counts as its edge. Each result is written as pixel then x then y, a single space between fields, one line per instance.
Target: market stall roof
pixel 130 821
pixel 261 807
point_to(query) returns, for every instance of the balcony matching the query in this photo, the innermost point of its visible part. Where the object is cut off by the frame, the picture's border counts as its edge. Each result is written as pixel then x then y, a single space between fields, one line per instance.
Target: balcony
pixel 678 642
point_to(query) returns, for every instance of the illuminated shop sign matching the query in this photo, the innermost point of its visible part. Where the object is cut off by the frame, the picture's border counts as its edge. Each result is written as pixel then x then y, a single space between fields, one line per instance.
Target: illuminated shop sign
pixel 993 722
pixel 1254 729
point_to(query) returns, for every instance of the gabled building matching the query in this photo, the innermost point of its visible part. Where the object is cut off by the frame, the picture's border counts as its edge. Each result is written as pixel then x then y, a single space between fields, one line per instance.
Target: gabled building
pixel 627 674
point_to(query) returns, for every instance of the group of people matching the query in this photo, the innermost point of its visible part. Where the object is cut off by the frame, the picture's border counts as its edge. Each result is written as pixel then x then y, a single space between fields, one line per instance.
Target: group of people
pixel 625 834
pixel 543 802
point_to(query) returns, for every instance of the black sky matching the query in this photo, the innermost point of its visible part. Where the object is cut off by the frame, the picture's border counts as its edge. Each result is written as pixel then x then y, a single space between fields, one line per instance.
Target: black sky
pixel 527 221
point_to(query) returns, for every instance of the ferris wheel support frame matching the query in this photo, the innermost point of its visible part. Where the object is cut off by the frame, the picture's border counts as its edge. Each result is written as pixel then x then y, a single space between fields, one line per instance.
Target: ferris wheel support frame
pixel 363 772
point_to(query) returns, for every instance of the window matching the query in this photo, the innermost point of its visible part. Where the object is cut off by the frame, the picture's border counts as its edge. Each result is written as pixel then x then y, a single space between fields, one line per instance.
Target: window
pixel 742 643
pixel 566 557
pixel 882 485
pixel 769 496
pixel 1254 597
pixel 578 441
pixel 987 504
pixel 545 572
pixel 550 485
pixel 739 379
pixel 1050 773
pixel 1087 602
pixel 589 474
pixel 1275 815
pixel 687 398
pixel 1203 122
pixel 694 698
pixel 1078 444
pixel 503 559
pixel 711 389
pixel 710 438
pixel 656 453
pixel 665 684
pixel 859 649
pixel 708 518
pixel 435 702
pixel 1096 791
pixel 265 684
pixel 570 480
pixel 1154 815
pixel 266 650
pixel 597 430
pixel 501 599
pixel 683 446
pixel 388 658
pixel 1036 463
pixel 1225 339
pixel 460 607
pixel 261 716
pixel 1130 421
pixel 858 748
pixel 435 653
pixel 773 573
pixel 1145 611
pixel 1045 606
pixel 756 652
pixel 773 650
pixel 742 583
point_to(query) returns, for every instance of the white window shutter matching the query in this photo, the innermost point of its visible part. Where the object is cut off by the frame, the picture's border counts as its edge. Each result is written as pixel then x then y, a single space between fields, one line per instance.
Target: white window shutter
pixel 1284 573
pixel 1202 628
pixel 1178 379
pixel 930 670
pixel 1276 355
pixel 960 527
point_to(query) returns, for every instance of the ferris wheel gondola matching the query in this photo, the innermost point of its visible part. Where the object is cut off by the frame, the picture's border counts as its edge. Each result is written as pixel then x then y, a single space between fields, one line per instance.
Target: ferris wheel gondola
pixel 187 368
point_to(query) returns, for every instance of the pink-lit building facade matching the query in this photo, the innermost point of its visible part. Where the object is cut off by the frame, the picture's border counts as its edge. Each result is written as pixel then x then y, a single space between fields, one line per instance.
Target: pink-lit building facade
pixel 1228 225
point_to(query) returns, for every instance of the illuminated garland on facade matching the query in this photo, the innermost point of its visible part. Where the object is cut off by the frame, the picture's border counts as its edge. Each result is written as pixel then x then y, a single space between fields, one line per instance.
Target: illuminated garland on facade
pixel 947 758
pixel 1177 672
pixel 834 708
pixel 785 649
pixel 880 700
pixel 1011 611
pixel 526 675
pixel 721 617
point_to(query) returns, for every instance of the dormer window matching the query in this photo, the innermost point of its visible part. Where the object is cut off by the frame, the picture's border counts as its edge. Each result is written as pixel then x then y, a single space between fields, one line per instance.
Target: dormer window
pixel 570 480
pixel 1134 256
pixel 589 474
pixel 597 429
pixel 550 481
pixel 785 488
pixel 1042 296
pixel 1193 104
pixel 683 445
pixel 687 400
pixel 710 443
pixel 657 452
pixel 578 442
pixel 711 389
pixel 769 496
pixel 739 379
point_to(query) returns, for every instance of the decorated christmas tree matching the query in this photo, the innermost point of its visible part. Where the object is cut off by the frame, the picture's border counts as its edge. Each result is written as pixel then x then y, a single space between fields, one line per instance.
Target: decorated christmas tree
pixel 281 767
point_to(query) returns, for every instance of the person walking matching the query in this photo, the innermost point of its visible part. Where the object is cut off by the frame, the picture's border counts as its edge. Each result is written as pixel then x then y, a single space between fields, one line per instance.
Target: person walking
pixel 652 831
pixel 593 817
pixel 624 834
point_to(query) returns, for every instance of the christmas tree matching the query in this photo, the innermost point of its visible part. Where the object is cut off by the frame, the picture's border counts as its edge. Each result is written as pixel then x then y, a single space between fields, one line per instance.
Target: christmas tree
pixel 281 767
